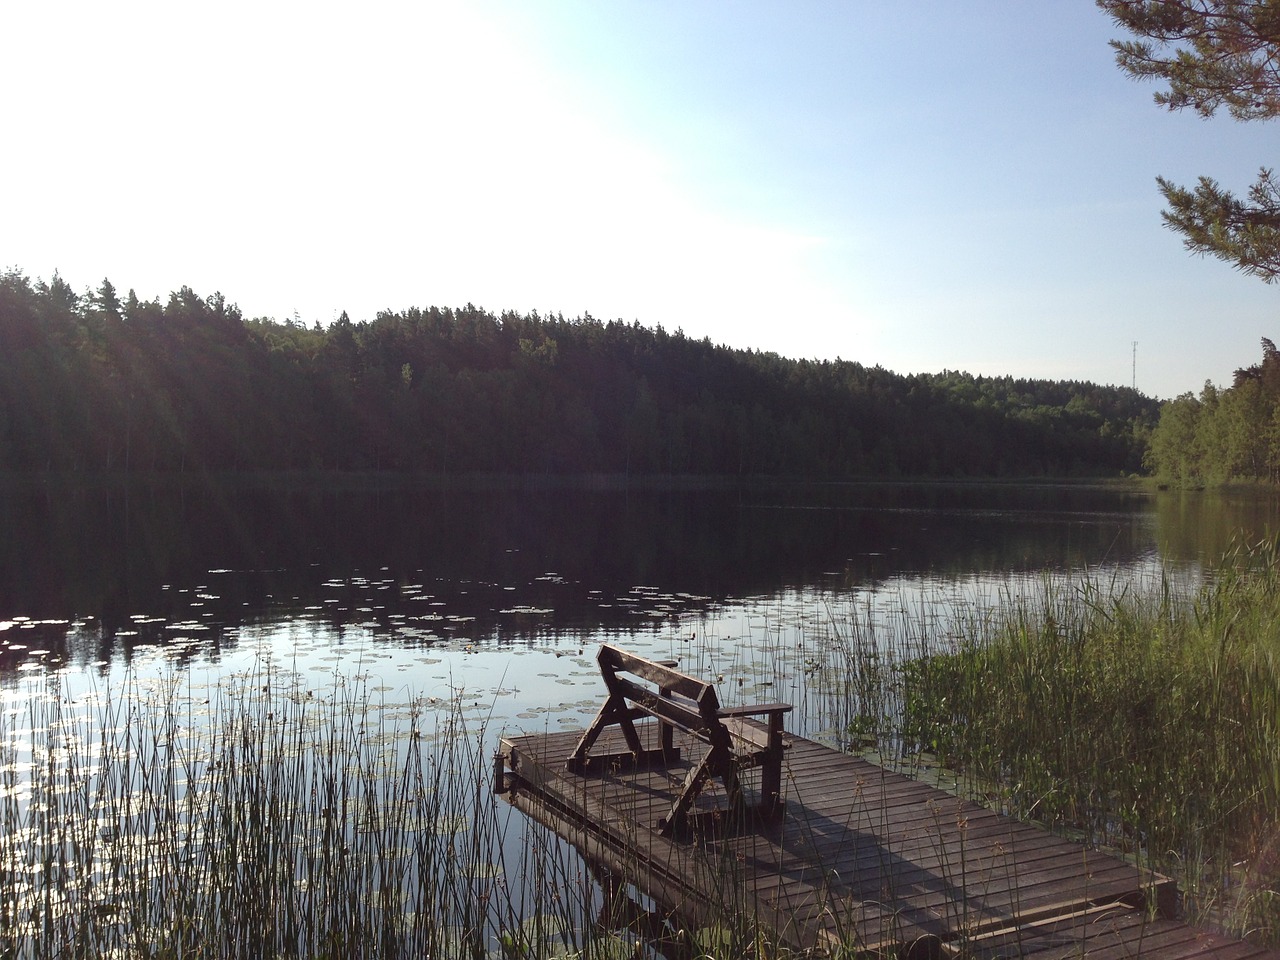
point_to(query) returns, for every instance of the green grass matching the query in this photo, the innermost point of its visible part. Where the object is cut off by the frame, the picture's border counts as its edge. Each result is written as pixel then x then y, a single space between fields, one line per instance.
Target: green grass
pixel 1146 720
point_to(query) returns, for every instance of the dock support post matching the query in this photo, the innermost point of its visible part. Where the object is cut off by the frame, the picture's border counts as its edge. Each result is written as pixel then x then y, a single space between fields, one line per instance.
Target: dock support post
pixel 500 784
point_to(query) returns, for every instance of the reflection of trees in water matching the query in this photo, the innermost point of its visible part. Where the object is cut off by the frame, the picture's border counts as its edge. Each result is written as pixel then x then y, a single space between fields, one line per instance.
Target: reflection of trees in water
pixel 1200 526
pixel 258 555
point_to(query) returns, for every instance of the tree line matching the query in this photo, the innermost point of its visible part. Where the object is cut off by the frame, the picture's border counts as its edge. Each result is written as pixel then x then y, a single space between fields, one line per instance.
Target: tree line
pixel 1223 435
pixel 99 383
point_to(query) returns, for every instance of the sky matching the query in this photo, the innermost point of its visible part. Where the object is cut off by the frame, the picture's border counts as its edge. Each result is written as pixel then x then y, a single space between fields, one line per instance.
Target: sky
pixel 927 186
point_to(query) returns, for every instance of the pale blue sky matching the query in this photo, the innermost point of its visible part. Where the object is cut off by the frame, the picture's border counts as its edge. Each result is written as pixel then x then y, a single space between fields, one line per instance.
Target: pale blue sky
pixel 924 186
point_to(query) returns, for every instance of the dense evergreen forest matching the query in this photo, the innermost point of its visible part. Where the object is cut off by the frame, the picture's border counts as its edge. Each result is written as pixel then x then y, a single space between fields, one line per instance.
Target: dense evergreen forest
pixel 1223 435
pixel 98 383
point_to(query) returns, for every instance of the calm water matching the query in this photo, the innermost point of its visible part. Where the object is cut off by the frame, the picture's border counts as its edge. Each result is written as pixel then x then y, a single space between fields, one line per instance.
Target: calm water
pixel 503 596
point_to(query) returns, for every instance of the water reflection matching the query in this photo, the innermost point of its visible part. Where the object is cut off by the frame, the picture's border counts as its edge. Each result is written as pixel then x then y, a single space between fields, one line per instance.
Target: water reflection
pixel 91 576
pixel 112 554
pixel 1200 526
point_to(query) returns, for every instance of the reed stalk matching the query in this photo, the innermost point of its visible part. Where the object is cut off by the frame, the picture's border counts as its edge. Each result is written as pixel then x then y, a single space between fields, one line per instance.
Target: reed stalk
pixel 1144 720
pixel 270 821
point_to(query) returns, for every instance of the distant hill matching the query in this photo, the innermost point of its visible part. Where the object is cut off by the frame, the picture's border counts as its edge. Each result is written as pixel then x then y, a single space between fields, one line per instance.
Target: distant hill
pixel 99 383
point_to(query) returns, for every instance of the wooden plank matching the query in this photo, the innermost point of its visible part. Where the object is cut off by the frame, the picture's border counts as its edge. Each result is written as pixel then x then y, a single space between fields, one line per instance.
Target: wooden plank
pixel 685 715
pixel 863 855
pixel 755 709
pixel 660 672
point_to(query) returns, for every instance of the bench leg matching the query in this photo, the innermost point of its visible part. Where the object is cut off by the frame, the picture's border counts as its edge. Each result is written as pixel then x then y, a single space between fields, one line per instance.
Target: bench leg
pixel 612 712
pixel 688 793
pixel 668 731
pixel 716 763
pixel 771 774
pixel 771 785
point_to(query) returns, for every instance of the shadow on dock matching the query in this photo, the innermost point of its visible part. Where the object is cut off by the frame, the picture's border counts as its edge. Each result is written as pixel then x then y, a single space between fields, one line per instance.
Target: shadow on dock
pixel 862 861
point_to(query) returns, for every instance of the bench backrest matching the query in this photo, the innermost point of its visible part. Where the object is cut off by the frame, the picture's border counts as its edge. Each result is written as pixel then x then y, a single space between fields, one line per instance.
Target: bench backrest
pixel 681 700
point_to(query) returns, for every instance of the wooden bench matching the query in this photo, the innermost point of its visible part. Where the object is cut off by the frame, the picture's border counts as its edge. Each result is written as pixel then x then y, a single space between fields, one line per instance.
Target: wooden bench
pixel 640 688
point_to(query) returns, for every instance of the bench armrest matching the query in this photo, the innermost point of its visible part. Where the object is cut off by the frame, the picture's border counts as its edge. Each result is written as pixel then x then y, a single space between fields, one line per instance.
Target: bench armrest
pixel 754 710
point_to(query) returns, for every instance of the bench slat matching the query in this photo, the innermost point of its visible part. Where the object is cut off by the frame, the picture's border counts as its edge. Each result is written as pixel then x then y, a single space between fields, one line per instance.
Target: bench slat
pixel 750 733
pixel 655 672
pixel 666 708
pixel 755 709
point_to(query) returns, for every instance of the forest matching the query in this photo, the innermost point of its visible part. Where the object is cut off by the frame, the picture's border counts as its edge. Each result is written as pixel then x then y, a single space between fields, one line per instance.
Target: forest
pixel 1223 435
pixel 102 384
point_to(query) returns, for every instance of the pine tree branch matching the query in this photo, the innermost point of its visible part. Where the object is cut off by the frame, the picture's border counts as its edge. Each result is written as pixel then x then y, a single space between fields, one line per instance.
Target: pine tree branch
pixel 1214 221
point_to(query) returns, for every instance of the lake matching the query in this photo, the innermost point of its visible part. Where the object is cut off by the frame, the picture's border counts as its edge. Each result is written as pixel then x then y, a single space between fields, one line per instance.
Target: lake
pixel 486 606
pixel 493 592
pixel 100 576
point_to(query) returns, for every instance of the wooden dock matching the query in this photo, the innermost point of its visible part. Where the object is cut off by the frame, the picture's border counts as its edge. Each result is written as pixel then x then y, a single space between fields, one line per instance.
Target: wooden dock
pixel 862 858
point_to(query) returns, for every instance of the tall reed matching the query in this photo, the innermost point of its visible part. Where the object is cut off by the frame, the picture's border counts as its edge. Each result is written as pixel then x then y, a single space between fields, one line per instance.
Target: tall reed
pixel 267 820
pixel 1149 720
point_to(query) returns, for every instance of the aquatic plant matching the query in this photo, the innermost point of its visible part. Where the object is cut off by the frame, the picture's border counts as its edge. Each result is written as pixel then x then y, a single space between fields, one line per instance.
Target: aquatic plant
pixel 1146 720
pixel 264 819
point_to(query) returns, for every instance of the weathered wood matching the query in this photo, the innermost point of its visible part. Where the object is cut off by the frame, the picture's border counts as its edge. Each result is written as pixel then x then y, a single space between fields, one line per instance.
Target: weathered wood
pixel 680 702
pixel 864 858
